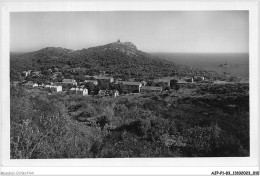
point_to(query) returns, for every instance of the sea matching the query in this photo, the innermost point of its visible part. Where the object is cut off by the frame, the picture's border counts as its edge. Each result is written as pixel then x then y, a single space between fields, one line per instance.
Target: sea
pixel 238 62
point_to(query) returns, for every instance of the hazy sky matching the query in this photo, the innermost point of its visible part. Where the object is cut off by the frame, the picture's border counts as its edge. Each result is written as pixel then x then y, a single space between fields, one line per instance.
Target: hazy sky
pixel 161 31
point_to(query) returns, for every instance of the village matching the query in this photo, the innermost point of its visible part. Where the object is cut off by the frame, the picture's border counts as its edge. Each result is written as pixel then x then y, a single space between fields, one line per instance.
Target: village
pixel 102 84
pixel 125 84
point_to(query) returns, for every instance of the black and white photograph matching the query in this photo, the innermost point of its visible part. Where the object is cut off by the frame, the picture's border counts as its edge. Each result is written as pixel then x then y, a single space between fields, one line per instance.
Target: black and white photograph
pixel 129 84
pixel 110 84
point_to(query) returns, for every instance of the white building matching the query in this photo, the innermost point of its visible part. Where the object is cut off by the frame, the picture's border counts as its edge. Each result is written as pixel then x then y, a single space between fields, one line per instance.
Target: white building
pixel 79 91
pixel 54 88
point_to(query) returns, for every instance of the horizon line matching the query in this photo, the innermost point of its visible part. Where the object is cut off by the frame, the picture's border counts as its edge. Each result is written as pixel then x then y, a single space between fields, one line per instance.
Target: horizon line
pixel 151 52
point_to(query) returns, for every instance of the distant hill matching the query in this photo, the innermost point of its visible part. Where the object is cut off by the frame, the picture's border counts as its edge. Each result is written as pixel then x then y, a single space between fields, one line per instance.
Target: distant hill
pixel 117 58
pixel 13 54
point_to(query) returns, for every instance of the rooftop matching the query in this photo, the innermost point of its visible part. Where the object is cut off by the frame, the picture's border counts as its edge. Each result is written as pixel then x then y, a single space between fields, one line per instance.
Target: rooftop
pixel 162 80
pixel 52 86
pixel 129 82
pixel 88 80
pixel 68 80
pixel 103 77
pixel 151 88
pixel 88 76
pixel 77 89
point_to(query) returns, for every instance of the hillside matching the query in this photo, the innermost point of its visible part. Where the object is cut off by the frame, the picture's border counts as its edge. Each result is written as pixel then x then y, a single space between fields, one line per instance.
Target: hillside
pixel 116 58
pixel 206 121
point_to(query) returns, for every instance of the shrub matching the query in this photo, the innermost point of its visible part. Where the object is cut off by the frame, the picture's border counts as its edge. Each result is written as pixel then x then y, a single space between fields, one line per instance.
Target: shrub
pixel 125 144
pixel 200 140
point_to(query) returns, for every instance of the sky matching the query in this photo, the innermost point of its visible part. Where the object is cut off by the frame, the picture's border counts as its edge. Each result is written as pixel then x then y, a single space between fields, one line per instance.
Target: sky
pixel 150 31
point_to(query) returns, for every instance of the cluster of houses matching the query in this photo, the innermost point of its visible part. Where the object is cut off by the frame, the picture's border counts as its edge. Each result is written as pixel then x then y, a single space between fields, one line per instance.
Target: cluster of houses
pixel 31 73
pixel 129 86
pixel 57 87
pixel 111 93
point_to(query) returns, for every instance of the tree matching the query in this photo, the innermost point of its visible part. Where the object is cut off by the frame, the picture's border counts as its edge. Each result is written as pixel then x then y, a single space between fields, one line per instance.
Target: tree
pixel 59 78
pixel 15 76
pixel 72 77
pixel 90 86
pixel 112 86
pixel 120 87
pixel 39 81
pixel 67 86
pixel 103 85
pixel 80 77
pixel 96 90
pixel 174 85
pixel 149 83
pixel 45 73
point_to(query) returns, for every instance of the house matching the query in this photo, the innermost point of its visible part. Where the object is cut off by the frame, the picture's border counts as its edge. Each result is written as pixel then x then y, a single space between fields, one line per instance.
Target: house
pixel 51 83
pixel 82 86
pixel 144 83
pixel 55 74
pixel 163 81
pixel 69 81
pixel 151 89
pixel 199 78
pixel 37 73
pixel 26 73
pixel 95 82
pixel 180 81
pixel 79 91
pixel 31 84
pixel 114 93
pixel 131 86
pixel 184 83
pixel 55 88
pixel 102 92
pixel 105 78
pixel 188 79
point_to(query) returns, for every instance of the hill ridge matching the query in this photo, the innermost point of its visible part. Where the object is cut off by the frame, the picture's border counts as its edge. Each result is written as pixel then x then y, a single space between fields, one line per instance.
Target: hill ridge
pixel 116 58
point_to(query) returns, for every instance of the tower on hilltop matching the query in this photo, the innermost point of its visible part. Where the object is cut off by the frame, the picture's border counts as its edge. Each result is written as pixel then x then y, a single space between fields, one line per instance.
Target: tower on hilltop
pixel 118 40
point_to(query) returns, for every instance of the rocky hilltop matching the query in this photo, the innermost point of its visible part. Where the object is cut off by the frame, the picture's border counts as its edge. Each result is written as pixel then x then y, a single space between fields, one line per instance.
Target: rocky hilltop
pixel 124 47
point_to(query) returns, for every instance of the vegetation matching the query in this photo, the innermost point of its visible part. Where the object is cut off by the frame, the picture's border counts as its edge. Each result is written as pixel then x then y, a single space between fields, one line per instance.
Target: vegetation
pixel 203 121
pixel 119 60
pixel 189 120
